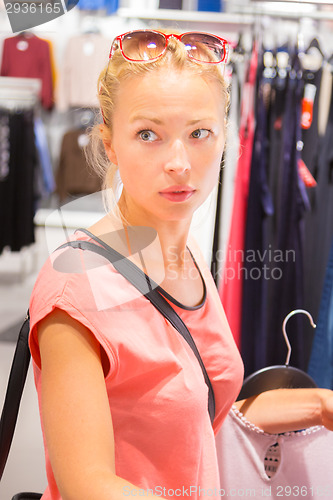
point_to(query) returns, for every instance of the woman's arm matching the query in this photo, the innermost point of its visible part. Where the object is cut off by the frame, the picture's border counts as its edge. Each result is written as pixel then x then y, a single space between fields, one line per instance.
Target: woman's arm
pixel 75 411
pixel 284 410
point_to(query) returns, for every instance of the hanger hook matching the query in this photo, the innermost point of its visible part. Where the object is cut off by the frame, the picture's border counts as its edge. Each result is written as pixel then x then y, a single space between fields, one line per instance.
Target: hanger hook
pixel 292 313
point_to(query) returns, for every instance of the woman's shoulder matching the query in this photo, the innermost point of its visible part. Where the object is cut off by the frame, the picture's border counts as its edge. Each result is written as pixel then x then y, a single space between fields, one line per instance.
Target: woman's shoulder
pixel 79 278
pixel 63 265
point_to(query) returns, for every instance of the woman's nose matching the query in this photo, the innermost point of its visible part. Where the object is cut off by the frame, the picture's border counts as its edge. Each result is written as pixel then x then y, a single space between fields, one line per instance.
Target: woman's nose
pixel 177 160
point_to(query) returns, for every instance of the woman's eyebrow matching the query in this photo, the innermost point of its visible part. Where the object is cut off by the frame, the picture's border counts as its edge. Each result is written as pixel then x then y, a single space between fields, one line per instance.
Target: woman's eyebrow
pixel 158 121
pixel 136 118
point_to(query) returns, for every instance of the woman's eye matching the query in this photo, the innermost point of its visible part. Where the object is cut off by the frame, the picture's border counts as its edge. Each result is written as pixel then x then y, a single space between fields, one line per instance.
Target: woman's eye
pixel 147 135
pixel 200 133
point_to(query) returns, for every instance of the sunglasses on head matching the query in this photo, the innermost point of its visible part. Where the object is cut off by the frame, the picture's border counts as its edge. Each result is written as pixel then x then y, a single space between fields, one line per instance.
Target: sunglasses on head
pixel 149 45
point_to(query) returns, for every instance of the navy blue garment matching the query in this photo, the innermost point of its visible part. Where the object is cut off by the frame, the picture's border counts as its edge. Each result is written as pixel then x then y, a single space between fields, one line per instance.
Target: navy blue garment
pixel 321 360
pixel 70 4
pixel 286 292
pixel 255 279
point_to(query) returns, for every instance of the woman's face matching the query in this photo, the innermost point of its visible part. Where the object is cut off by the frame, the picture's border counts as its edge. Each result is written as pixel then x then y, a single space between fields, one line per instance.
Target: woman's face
pixel 167 140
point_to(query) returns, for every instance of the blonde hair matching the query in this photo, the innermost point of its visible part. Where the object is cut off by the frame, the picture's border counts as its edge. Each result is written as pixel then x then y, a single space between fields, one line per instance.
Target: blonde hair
pixel 117 71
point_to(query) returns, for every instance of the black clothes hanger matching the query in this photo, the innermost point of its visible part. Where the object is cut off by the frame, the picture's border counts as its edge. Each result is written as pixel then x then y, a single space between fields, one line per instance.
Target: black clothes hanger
pixel 278 376
pixel 240 49
pixel 314 44
pixel 26 34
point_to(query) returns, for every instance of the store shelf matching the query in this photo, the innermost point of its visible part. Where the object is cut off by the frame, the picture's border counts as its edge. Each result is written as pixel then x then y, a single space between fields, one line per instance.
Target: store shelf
pixel 246 15
pixel 186 16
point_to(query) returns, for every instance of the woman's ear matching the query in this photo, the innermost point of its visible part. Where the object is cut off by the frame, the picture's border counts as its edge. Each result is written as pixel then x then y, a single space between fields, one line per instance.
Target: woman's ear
pixel 108 144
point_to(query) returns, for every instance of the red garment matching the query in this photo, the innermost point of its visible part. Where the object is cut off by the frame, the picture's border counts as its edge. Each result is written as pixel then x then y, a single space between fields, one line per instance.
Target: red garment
pixel 28 56
pixel 230 289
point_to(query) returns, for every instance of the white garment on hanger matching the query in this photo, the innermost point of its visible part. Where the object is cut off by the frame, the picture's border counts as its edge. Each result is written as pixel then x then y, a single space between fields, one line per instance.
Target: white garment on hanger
pixel 304 470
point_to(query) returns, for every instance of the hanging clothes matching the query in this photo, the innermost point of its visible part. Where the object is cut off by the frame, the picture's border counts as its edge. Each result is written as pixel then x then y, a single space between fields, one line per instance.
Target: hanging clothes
pixel 76 84
pixel 325 95
pixel 17 187
pixel 256 249
pixel 110 6
pixel 170 4
pixel 73 175
pixel 310 134
pixel 226 186
pixel 321 360
pixel 210 5
pixel 286 290
pixel 230 289
pixel 319 224
pixel 43 153
pixel 53 64
pixel 26 55
pixel 319 235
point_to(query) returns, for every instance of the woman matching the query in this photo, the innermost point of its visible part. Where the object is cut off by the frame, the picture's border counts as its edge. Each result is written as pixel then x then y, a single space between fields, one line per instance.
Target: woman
pixel 123 400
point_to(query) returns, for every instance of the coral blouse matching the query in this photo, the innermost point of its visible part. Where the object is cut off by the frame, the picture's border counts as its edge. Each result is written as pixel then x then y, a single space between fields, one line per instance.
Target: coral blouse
pixel 164 439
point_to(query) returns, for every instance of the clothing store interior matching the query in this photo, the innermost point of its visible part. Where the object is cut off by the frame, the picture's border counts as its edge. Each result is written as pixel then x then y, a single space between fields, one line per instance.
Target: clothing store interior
pixel 266 231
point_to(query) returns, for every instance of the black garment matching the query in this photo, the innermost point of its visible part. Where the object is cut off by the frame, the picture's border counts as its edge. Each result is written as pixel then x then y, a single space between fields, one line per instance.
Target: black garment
pixel 17 189
pixel 310 136
pixel 214 262
pixel 256 262
pixel 170 4
pixel 286 293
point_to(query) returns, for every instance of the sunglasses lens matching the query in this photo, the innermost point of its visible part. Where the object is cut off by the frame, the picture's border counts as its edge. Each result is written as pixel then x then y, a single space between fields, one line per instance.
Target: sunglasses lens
pixel 143 45
pixel 203 47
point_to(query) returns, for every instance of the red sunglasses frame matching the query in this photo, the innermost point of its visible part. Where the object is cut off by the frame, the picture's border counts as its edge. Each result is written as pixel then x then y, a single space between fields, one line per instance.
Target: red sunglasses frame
pixel 119 40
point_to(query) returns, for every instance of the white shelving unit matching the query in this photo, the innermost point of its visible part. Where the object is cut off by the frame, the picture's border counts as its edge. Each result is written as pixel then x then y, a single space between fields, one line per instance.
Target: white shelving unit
pixel 239 14
pixel 186 16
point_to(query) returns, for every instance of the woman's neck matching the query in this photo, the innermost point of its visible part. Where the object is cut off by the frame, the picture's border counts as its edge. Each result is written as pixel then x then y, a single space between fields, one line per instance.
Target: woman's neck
pixel 172 235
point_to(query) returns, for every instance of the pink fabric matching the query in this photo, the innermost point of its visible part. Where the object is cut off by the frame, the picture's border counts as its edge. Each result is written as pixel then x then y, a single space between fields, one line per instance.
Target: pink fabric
pixel 168 441
pixel 231 284
pixel 304 469
pixel 83 60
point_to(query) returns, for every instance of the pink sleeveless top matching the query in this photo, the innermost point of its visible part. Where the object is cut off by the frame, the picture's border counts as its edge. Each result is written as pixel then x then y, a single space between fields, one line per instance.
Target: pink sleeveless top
pixel 167 445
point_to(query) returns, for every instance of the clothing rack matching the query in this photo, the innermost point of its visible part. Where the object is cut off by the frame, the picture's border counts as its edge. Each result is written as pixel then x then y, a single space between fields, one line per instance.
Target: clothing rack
pixel 19 93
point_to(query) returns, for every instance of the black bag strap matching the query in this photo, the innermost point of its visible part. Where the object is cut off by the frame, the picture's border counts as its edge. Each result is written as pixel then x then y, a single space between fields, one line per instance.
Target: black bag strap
pixel 148 288
pixel 16 381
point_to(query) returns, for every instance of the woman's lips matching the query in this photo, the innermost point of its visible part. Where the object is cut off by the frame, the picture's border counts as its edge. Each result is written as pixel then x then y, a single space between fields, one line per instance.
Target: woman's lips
pixel 177 193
